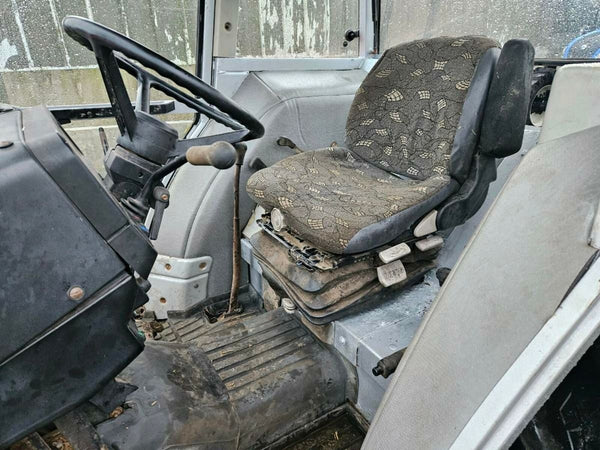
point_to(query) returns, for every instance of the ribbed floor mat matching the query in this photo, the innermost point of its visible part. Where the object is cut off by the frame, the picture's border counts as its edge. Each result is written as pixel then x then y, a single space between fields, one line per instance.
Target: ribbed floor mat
pixel 190 329
pixel 241 383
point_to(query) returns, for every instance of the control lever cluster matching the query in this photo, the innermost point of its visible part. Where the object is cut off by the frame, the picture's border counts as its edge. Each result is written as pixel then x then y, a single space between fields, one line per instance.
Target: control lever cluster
pixel 220 154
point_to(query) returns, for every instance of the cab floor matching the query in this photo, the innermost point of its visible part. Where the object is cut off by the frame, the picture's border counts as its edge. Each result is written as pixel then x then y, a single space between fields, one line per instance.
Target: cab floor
pixel 338 433
pixel 245 382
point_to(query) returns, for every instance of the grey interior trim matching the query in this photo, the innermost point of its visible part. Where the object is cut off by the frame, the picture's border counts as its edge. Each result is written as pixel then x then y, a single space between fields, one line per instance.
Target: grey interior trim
pixel 573 104
pixel 285 64
pixel 537 372
pixel 479 323
pixel 456 243
pixel 308 107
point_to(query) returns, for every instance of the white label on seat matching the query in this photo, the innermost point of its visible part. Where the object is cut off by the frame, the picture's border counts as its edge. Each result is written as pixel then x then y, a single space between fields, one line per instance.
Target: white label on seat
pixel 393 253
pixel 391 273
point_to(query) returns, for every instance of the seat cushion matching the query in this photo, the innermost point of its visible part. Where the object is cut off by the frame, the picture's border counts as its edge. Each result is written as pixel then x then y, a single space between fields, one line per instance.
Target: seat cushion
pixel 406 113
pixel 342 204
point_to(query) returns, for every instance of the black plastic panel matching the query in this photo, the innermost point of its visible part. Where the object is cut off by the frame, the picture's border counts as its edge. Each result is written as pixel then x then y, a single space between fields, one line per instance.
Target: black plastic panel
pixel 60 228
pixel 46 245
pixel 69 363
pixel 61 158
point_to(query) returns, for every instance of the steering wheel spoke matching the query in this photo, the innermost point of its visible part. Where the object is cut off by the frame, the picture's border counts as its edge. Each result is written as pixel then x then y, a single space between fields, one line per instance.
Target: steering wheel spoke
pixel 114 50
pixel 146 80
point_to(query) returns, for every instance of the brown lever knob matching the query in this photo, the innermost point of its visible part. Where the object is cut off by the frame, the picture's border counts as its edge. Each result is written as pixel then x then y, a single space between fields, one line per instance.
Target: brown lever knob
pixel 220 155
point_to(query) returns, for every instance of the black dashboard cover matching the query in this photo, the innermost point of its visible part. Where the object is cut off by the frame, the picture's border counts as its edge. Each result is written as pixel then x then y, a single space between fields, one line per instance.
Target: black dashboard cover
pixel 60 228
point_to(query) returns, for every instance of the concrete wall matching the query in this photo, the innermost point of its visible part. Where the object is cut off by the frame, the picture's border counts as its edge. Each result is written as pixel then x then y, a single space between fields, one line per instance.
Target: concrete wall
pixel 40 64
pixel 296 28
pixel 549 24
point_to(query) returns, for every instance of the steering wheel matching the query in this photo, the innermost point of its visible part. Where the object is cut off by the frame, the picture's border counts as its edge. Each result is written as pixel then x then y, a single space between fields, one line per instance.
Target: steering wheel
pixel 113 51
pixel 145 135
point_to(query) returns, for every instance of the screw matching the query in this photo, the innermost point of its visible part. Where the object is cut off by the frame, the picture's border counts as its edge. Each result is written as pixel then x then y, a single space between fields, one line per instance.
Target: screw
pixel 76 293
pixel 163 300
pixel 168 266
pixel 164 197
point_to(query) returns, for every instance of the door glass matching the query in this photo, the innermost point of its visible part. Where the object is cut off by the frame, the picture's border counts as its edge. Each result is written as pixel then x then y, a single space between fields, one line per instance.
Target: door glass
pixel 556 28
pixel 296 28
pixel 40 64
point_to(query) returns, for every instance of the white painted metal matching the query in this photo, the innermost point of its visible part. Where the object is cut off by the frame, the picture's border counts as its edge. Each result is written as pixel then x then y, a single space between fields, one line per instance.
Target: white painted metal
pixel 364 338
pixel 226 28
pixel 207 38
pixel 365 25
pixel 538 370
pixel 177 284
pixel 223 65
pixel 595 232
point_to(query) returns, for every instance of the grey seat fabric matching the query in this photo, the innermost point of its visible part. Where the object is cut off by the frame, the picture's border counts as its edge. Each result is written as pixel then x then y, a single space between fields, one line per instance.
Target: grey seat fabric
pixel 403 156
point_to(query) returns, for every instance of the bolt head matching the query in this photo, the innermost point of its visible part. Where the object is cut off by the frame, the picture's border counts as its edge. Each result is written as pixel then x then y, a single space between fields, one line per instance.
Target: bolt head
pixel 76 293
pixel 164 197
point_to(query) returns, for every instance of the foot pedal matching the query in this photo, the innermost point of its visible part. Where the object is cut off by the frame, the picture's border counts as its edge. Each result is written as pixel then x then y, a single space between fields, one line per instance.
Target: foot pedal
pixel 392 273
pixel 393 253
pixel 430 243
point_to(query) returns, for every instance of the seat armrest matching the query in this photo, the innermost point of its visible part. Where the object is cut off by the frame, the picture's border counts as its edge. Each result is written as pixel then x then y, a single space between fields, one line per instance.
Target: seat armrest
pixel 508 101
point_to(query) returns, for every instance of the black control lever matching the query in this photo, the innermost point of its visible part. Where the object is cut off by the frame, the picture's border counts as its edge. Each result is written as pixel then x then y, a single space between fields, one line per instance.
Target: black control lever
pixel 221 155
pixel 103 140
pixel 161 202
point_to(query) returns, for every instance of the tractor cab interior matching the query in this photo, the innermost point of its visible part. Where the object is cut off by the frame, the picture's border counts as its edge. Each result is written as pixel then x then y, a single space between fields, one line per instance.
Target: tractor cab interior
pixel 254 279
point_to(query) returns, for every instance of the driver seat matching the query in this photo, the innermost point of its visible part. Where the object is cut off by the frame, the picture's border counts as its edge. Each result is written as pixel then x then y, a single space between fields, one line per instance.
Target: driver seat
pixel 421 137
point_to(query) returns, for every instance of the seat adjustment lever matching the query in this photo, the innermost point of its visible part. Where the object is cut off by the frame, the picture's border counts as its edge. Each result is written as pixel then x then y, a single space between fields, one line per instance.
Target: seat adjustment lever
pixel 283 141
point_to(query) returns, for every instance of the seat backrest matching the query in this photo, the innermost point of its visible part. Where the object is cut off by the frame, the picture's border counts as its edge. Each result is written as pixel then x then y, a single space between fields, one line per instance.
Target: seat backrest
pixel 407 111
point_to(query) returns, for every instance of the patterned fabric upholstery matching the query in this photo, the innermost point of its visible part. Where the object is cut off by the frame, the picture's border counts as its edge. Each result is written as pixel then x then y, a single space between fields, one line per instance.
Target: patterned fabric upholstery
pixel 399 133
pixel 328 195
pixel 406 112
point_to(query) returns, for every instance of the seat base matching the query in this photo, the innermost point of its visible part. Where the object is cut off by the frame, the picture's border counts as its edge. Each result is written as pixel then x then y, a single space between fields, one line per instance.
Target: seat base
pixel 322 296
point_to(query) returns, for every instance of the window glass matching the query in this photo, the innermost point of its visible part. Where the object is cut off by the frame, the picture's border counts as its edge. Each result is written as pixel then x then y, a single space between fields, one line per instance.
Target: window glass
pixel 556 28
pixel 296 28
pixel 40 64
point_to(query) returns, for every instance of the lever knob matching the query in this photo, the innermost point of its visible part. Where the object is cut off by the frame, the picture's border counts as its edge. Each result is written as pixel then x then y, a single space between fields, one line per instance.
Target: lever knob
pixel 221 155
